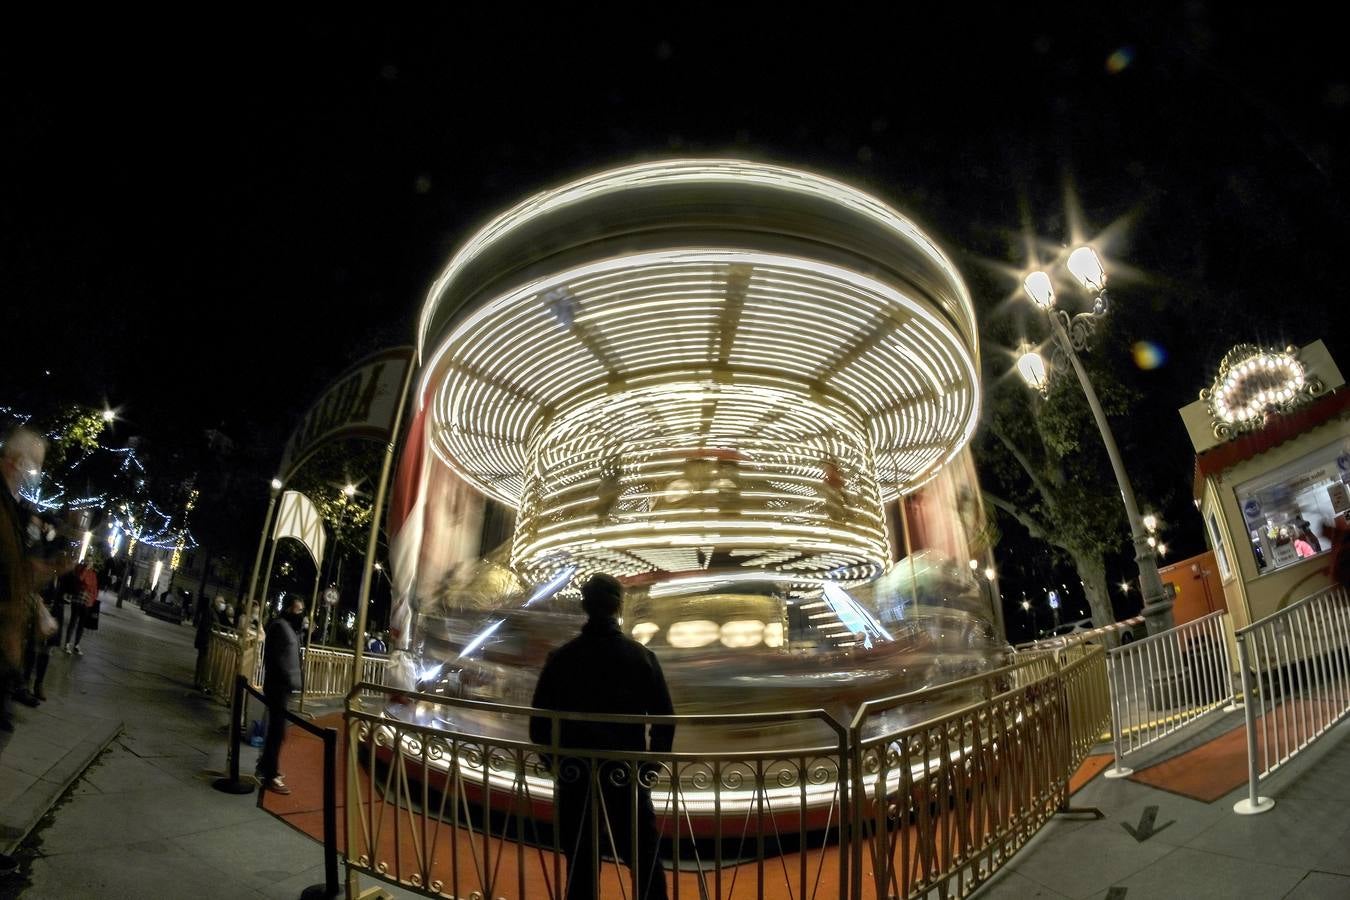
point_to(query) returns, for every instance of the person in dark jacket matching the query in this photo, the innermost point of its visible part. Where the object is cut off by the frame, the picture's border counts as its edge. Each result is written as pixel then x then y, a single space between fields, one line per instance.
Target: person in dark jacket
pixel 206 617
pixel 603 671
pixel 281 678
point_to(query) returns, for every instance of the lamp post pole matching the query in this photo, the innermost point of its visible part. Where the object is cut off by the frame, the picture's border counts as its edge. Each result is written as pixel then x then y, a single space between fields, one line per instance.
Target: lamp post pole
pixel 1157 604
pixel 1070 334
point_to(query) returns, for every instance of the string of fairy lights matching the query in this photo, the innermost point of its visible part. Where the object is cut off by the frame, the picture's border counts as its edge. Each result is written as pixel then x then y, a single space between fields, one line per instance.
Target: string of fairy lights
pixel 50 494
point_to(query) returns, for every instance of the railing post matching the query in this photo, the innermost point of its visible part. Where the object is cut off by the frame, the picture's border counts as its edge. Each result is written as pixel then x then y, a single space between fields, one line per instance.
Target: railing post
pixel 331 887
pixel 1227 629
pixel 231 784
pixel 855 846
pixel 1253 803
pixel 1117 770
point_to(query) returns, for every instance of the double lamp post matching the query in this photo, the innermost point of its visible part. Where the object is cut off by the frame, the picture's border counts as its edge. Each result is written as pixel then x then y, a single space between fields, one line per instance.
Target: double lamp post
pixel 1069 336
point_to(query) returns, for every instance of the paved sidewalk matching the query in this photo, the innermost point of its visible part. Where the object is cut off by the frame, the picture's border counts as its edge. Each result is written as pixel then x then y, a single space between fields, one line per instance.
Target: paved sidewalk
pixel 144 821
pixel 50 747
pixel 1300 850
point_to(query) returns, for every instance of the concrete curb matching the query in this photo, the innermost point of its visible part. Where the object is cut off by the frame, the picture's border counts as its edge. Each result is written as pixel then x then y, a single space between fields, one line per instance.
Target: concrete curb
pixel 25 811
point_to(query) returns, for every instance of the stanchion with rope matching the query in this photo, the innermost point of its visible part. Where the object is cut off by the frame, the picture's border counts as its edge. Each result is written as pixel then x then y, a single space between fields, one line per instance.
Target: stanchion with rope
pixel 232 783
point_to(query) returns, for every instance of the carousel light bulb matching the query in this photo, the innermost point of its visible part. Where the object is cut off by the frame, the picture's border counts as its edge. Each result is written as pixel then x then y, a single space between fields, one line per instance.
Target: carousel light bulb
pixel 1086 268
pixel 276 484
pixel 989 573
pixel 1151 522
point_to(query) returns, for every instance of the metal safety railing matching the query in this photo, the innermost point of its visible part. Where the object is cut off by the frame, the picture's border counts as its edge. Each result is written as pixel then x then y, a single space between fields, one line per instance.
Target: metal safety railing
pixel 1295 667
pixel 931 790
pixel 222 664
pixel 940 805
pixel 1167 681
pixel 437 804
pixel 327 672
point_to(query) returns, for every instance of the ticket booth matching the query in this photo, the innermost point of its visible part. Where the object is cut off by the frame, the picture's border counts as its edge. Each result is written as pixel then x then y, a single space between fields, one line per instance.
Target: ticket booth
pixel 1272 473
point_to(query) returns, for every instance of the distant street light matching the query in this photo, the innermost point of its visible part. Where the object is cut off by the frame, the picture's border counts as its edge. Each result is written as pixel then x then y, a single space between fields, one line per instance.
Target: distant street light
pixel 109 415
pixel 1070 335
pixel 349 489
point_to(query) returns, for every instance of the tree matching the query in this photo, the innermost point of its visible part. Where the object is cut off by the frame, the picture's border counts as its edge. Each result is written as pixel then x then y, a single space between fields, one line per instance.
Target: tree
pixel 1043 465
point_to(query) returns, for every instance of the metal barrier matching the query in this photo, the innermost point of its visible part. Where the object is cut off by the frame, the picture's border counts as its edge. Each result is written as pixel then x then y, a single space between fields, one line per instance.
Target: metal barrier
pixel 1166 682
pixel 327 672
pixel 1295 669
pixel 222 664
pixel 437 806
pixel 940 805
pixel 930 791
pixel 233 783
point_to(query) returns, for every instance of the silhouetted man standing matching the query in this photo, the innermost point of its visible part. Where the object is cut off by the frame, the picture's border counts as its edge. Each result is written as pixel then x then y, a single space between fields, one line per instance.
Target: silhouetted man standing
pixel 602 671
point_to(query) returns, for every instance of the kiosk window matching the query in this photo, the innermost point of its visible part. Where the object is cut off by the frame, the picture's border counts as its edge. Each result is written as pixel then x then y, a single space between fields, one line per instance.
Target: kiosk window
pixel 1220 550
pixel 1289 513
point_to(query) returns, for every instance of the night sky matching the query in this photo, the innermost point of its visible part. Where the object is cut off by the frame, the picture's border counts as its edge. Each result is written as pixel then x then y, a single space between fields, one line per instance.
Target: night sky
pixel 204 221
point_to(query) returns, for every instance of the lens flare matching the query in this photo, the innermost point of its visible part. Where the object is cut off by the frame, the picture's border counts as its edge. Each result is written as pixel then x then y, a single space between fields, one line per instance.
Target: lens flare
pixel 1120 60
pixel 1148 355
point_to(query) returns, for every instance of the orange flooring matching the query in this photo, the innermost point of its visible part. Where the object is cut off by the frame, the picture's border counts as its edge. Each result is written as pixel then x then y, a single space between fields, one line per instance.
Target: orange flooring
pixel 1216 768
pixel 513 869
pixel 1092 767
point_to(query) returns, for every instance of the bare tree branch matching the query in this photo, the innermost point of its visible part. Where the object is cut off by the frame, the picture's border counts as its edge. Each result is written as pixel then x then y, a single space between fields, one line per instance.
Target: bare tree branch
pixel 1022 460
pixel 1029 522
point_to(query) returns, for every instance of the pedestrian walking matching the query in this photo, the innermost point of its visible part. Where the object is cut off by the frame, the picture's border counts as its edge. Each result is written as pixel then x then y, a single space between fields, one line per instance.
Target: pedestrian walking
pixel 604 671
pixel 281 678
pixel 81 593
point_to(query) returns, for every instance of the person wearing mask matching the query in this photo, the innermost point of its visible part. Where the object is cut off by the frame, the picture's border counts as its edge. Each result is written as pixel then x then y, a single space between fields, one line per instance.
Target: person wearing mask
pixel 281 678
pixel 604 671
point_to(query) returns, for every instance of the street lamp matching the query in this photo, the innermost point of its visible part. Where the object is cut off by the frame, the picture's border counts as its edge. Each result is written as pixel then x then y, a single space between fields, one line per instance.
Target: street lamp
pixel 1031 366
pixel 1070 335
pixel 349 489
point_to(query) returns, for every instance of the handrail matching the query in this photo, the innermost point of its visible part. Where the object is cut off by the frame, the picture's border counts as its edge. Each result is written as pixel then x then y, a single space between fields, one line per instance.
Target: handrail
pixel 420 792
pixel 1295 667
pixel 1184 670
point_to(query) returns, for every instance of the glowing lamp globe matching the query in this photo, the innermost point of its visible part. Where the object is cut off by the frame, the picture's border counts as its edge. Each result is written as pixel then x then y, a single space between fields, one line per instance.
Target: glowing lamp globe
pixel 1038 287
pixel 1031 368
pixel 1086 268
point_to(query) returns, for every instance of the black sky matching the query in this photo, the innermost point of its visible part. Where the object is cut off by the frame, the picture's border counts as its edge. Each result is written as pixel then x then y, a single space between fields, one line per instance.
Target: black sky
pixel 204 221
